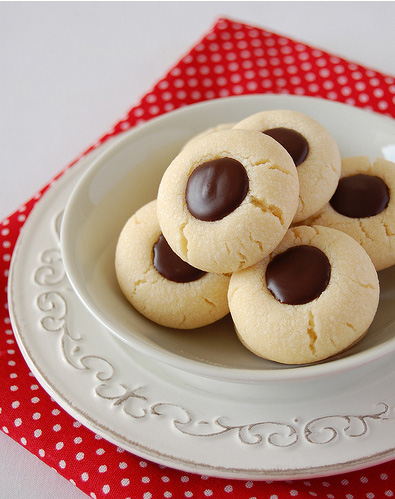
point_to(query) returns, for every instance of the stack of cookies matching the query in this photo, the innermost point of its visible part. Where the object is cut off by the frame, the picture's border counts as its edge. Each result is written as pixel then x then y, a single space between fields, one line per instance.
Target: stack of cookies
pixel 264 219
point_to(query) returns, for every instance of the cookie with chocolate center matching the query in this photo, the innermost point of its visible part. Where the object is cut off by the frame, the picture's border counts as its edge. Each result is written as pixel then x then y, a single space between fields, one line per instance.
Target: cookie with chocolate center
pixel 313 150
pixel 363 206
pixel 227 199
pixel 160 285
pixel 312 298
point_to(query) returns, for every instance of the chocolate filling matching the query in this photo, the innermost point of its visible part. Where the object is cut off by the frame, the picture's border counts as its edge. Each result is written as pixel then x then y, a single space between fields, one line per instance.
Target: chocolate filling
pixel 294 142
pixel 170 265
pixel 298 275
pixel 360 196
pixel 216 188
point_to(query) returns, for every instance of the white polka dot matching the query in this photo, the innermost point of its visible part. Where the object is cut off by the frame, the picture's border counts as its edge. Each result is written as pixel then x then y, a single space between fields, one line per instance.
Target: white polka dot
pixel 151 98
pixel 33 387
pixel 188 493
pixel 163 84
pixel 36 415
pixel 41 452
pixel 123 465
pixel 237 89
pixel 360 86
pixel 370 495
pixel 37 433
pixel 357 75
pixel 56 427
pixel 85 477
pixel 35 400
pixel 181 94
pixel 208 492
pixel 382 105
pixel 125 482
pixel 175 72
pixel 346 91
pixel 224 92
pixel 324 73
pixel 5 429
pixel 350 101
pixel 59 445
pixel 102 468
pixel 389 493
pixel 281 82
pixel 106 489
pixel 249 484
pixel 62 464
pixel 154 110
pixel 293 493
pixel 313 87
pixel 147 495
pixel 228 488
pixel 18 422
pixel 80 456
pixel 201 58
pixel 384 476
pixel 168 107
pixel 363 98
pixel 332 95
pixel 15 404
pixel 124 125
pixel 77 440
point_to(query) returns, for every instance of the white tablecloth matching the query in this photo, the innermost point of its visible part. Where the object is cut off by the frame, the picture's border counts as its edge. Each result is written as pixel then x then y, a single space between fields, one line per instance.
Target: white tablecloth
pixel 70 71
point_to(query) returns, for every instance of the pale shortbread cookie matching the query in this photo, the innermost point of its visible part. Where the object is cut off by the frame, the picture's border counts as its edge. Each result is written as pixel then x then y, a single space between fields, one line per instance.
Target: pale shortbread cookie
pixel 182 305
pixel 375 233
pixel 235 239
pixel 320 170
pixel 329 323
pixel 217 128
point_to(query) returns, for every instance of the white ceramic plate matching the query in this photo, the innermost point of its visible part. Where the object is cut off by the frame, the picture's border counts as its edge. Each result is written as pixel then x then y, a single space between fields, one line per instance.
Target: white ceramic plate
pixel 127 176
pixel 270 431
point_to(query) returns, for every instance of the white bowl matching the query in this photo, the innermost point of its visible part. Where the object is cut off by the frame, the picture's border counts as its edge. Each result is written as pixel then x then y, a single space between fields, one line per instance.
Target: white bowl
pixel 127 176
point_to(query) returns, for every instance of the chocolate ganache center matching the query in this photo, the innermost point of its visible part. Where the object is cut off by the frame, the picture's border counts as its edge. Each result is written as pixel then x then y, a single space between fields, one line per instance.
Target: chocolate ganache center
pixel 293 141
pixel 360 196
pixel 298 275
pixel 216 188
pixel 171 266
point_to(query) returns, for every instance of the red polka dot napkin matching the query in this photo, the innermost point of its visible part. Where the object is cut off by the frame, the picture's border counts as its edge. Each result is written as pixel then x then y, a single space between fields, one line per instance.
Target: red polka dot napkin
pixel 232 59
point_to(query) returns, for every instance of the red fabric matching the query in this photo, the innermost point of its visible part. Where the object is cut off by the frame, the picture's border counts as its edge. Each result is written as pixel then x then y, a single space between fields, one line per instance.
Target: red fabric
pixel 232 59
